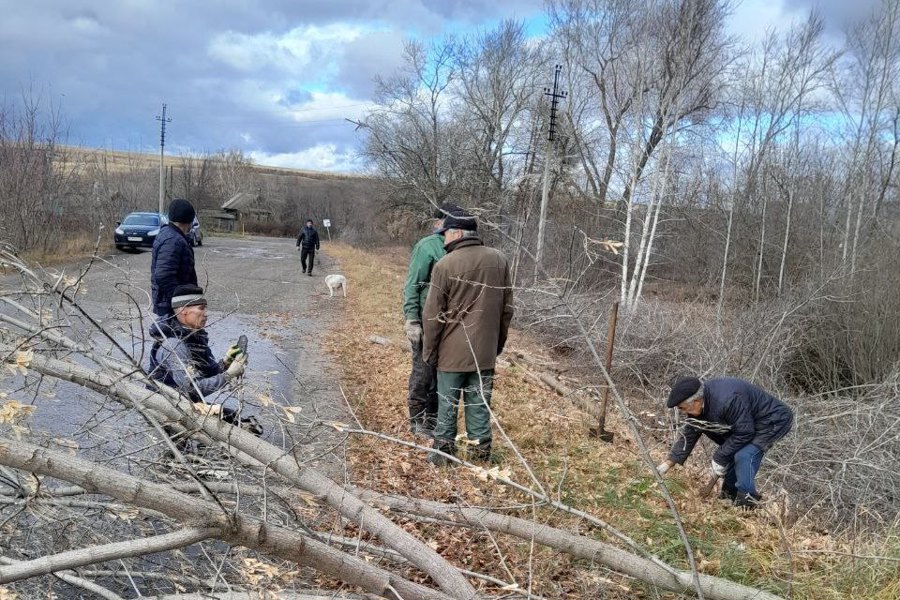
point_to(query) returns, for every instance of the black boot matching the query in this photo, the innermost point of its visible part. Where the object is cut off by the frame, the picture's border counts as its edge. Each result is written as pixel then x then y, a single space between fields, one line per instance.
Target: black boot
pixel 745 501
pixel 444 446
pixel 481 453
pixel 421 423
pixel 728 494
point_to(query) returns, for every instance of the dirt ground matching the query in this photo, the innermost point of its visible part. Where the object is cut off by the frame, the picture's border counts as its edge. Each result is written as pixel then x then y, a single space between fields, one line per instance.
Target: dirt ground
pixel 255 286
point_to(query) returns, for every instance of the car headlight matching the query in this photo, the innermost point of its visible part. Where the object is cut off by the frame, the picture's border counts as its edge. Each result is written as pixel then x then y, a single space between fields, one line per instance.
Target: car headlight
pixel 120 231
pixel 153 231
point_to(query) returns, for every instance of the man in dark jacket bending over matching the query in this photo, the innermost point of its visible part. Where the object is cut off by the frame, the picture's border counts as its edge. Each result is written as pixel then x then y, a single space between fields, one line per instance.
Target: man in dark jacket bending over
pixel 308 242
pixel 743 419
pixel 173 258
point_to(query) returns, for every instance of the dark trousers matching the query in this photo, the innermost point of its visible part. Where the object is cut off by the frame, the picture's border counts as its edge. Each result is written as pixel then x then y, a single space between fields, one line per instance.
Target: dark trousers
pixel 423 397
pixel 311 254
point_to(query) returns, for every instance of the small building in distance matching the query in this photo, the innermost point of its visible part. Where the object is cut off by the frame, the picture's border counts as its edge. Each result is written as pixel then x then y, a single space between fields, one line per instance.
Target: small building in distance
pixel 241 208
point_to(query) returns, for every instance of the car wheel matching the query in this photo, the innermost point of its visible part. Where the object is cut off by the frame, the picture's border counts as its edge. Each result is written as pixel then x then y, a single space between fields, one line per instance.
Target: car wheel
pixel 200 241
pixel 120 248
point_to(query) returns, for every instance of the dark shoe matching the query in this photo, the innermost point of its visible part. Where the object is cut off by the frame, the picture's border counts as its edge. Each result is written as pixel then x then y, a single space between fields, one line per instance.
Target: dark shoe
pixel 440 460
pixel 728 494
pixel 304 271
pixel 310 273
pixel 252 425
pixel 480 453
pixel 745 501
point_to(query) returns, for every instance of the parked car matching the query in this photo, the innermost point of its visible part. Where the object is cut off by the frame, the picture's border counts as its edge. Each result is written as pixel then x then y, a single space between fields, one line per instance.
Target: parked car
pixel 138 230
pixel 195 236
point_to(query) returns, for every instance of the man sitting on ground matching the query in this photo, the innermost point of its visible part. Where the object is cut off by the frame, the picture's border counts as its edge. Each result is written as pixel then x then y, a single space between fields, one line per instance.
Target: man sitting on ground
pixel 182 359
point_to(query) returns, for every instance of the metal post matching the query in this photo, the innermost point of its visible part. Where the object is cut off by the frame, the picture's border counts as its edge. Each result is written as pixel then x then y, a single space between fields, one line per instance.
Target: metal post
pixel 600 432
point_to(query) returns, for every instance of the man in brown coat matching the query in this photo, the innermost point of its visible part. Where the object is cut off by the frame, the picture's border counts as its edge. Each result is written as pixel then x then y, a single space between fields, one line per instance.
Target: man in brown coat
pixel 465 322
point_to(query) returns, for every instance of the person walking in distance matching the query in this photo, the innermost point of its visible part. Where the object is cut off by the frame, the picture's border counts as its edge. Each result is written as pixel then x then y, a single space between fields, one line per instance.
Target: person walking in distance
pixel 172 263
pixel 422 398
pixel 308 242
pixel 466 322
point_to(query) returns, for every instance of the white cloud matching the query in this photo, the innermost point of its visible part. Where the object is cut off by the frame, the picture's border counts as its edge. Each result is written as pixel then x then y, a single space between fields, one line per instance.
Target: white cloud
pixel 322 157
pixel 293 52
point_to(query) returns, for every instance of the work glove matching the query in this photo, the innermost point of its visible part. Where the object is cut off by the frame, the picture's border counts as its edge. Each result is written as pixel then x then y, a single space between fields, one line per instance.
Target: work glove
pixel 413 332
pixel 233 351
pixel 717 469
pixel 236 368
pixel 663 468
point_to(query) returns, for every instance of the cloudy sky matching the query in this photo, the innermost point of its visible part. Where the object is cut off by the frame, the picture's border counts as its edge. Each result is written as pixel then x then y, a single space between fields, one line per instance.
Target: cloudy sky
pixel 275 78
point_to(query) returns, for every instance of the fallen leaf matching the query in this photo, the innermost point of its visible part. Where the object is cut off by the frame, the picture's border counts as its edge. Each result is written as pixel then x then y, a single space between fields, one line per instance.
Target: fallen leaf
pixel 290 411
pixel 207 409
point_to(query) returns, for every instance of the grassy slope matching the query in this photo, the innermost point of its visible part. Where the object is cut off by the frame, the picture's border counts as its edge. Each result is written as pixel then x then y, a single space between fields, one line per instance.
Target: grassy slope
pixel 607 481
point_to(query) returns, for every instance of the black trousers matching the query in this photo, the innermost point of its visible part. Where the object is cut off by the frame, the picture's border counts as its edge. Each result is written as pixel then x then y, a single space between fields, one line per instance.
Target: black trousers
pixel 423 396
pixel 307 253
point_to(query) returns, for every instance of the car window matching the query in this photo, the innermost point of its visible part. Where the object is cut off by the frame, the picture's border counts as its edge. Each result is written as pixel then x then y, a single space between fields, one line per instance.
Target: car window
pixel 134 219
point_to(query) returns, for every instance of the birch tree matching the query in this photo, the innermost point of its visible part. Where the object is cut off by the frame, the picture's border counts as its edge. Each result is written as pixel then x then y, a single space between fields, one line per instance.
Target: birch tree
pixel 865 86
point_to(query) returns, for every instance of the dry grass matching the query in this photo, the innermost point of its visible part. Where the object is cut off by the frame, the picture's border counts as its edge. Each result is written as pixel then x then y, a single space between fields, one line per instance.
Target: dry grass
pixel 610 482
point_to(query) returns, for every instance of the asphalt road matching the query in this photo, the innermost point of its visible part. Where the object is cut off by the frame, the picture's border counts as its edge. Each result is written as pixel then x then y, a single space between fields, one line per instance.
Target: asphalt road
pixel 255 286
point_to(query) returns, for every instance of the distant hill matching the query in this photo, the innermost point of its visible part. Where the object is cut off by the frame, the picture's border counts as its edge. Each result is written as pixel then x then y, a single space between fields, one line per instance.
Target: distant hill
pixel 122 160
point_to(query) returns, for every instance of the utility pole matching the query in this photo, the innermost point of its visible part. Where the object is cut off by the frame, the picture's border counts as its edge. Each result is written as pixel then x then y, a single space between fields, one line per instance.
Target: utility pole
pixel 555 97
pixel 162 146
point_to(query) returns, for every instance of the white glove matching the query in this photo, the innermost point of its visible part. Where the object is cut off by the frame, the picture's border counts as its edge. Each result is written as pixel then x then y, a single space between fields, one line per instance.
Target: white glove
pixel 413 331
pixel 663 468
pixel 717 469
pixel 236 368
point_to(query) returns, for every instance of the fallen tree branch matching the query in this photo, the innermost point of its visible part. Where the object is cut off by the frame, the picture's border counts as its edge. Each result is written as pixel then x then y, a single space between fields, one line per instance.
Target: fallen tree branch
pixel 98 554
pixel 577 546
pixel 73 579
pixel 243 531
pixel 285 464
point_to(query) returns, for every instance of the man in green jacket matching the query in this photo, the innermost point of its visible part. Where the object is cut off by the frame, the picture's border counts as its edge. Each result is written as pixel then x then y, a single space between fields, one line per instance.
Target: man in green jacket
pixel 422 399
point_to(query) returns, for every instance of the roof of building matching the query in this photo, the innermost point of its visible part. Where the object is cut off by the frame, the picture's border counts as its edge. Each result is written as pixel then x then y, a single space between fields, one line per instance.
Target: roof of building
pixel 244 201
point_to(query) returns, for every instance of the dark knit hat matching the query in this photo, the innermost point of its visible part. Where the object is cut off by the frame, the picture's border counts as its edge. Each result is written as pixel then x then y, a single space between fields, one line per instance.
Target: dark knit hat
pixel 181 211
pixel 445 209
pixel 683 389
pixel 459 219
pixel 188 295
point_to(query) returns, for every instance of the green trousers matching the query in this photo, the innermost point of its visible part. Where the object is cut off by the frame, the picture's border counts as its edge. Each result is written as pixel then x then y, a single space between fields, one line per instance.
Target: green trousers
pixel 475 389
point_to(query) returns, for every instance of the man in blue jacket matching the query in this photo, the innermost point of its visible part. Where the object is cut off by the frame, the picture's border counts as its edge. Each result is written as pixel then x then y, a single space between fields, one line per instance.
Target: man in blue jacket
pixel 308 242
pixel 744 420
pixel 173 258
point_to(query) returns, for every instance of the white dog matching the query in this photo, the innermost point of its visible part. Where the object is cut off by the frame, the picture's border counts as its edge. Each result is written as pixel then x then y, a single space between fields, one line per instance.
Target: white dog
pixel 334 282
